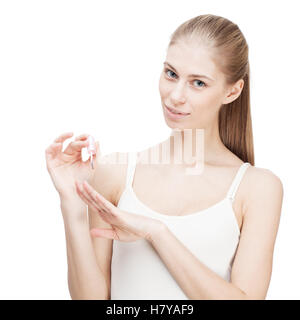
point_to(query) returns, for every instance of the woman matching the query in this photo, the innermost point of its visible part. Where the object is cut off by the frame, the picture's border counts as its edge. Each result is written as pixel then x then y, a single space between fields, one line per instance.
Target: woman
pixel 157 232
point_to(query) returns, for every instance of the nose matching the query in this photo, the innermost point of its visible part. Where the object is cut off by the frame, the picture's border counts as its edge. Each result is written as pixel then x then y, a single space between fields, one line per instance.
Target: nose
pixel 177 94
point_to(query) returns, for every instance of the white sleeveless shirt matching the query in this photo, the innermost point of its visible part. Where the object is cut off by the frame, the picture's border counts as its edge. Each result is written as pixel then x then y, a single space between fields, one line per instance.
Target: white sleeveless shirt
pixel 212 235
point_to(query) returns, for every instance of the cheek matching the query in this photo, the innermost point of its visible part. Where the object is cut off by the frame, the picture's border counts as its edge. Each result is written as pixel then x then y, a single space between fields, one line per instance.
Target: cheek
pixel 161 85
pixel 208 100
pixel 205 106
pixel 164 86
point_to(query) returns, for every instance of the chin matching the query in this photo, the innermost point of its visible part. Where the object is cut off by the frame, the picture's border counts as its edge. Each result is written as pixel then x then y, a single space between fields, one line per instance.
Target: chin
pixel 174 125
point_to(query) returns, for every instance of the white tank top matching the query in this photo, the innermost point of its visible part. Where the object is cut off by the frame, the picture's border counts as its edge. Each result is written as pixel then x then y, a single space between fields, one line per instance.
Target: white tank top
pixel 212 235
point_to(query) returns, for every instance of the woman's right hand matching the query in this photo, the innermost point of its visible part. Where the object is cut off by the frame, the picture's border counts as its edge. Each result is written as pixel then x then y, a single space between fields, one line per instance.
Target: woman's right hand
pixel 65 167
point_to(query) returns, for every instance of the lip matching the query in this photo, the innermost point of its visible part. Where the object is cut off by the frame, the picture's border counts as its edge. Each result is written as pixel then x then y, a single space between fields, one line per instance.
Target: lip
pixel 174 116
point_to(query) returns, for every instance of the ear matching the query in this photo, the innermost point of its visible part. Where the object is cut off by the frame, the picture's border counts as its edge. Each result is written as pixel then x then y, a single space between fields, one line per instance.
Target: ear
pixel 234 91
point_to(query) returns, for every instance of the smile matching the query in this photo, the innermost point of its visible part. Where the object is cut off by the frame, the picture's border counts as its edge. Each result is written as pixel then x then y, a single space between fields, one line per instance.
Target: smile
pixel 175 115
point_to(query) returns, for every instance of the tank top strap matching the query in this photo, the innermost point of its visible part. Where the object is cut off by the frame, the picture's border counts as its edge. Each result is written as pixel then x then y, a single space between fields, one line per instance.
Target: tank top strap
pixel 132 157
pixel 237 180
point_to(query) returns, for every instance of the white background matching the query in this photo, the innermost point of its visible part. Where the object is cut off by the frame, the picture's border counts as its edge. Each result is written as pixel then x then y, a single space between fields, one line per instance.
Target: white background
pixel 93 67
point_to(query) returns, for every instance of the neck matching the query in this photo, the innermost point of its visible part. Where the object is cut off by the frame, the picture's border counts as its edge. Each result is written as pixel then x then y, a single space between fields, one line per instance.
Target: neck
pixel 191 146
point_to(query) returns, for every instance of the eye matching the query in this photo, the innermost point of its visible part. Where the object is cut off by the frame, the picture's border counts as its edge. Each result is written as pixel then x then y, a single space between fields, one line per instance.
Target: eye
pixel 167 70
pixel 204 85
pixel 199 81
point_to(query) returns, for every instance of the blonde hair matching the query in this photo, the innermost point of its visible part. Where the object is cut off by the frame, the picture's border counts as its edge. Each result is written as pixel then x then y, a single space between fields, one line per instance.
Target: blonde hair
pixel 230 49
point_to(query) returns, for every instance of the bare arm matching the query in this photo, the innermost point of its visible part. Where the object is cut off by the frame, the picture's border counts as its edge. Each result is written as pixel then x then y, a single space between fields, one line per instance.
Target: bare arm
pixel 89 259
pixel 106 181
pixel 251 271
pixel 252 268
pixel 65 167
pixel 85 279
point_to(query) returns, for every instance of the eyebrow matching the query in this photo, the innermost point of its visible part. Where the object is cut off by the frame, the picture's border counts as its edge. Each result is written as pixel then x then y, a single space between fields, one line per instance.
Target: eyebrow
pixel 191 75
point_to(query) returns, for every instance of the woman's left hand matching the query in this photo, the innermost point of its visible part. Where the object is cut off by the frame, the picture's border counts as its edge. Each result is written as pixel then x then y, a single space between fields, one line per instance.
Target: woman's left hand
pixel 126 226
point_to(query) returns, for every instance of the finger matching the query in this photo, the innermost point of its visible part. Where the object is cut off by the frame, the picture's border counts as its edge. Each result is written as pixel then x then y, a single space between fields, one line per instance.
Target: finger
pixel 92 204
pixel 93 196
pixel 76 146
pixel 89 203
pixel 105 205
pixel 105 212
pixel 82 136
pixel 63 137
pixel 95 204
pixel 85 197
pixel 53 149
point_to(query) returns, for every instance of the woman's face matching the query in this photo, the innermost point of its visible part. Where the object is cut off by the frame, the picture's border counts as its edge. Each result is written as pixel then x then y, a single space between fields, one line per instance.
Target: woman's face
pixel 200 96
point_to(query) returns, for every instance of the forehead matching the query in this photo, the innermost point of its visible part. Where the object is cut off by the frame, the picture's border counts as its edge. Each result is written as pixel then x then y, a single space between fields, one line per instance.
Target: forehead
pixel 192 58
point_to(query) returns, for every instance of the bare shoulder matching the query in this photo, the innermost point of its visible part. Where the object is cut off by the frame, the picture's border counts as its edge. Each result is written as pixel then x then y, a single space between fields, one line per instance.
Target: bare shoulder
pixel 263 197
pixel 262 185
pixel 110 175
pixel 261 178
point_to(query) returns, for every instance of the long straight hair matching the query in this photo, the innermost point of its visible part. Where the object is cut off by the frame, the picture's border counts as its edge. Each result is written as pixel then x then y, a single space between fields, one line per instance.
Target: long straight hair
pixel 230 53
